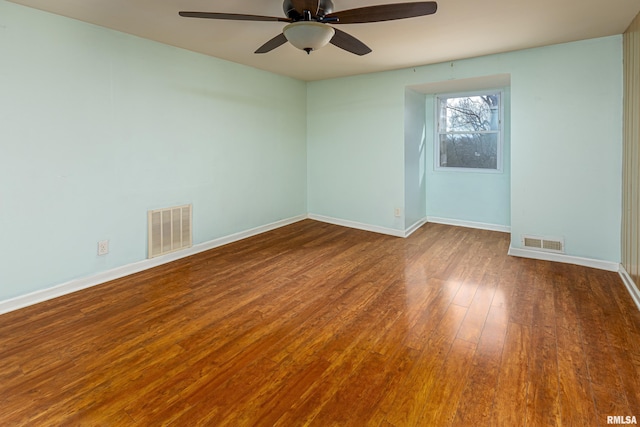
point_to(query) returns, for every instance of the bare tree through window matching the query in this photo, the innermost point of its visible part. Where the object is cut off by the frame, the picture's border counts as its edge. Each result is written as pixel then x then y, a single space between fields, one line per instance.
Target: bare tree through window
pixel 469 131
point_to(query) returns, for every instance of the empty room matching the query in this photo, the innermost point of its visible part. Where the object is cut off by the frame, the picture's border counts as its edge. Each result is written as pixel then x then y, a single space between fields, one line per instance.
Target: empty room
pixel 314 212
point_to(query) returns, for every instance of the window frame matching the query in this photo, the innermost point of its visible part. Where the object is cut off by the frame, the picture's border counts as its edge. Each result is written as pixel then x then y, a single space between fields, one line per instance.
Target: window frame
pixel 500 132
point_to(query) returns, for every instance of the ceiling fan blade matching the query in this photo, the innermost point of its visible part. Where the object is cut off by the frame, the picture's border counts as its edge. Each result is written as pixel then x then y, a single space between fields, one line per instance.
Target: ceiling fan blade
pixel 349 43
pixel 232 16
pixel 385 12
pixel 275 42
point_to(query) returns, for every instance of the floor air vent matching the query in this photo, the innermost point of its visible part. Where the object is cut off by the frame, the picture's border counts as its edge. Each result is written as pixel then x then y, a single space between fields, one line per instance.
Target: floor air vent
pixel 543 244
pixel 169 230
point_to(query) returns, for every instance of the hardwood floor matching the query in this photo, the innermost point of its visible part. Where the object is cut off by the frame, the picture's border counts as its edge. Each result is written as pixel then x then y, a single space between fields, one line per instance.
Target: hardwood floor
pixel 314 324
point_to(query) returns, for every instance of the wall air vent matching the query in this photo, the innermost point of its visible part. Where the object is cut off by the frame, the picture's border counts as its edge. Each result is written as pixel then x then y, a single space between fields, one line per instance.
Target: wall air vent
pixel 552 244
pixel 169 230
pixel 529 242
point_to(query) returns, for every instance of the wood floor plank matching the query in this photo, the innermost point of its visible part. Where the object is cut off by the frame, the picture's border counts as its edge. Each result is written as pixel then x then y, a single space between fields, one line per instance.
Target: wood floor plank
pixel 509 408
pixel 543 405
pixel 354 344
pixel 408 406
pixel 607 385
pixel 576 393
pixel 474 321
pixel 316 324
pixel 442 403
pixel 522 300
pixel 266 408
pixel 622 336
pixel 476 402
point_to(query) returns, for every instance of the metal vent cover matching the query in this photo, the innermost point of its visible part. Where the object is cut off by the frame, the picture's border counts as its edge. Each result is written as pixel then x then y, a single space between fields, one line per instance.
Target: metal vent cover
pixel 529 242
pixel 548 244
pixel 169 230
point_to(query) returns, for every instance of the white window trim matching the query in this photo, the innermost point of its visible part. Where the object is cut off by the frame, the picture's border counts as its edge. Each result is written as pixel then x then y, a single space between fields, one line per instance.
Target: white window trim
pixel 436 139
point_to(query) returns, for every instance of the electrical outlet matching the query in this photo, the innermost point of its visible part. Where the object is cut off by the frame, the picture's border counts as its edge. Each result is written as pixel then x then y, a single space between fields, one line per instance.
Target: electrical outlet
pixel 103 247
pixel 396 212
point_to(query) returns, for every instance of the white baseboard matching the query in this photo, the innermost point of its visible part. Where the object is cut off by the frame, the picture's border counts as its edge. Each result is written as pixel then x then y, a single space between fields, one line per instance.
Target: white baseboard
pixel 631 286
pixel 409 231
pixel 357 225
pixel 221 241
pixel 566 259
pixel 470 224
pixel 119 272
pixel 125 270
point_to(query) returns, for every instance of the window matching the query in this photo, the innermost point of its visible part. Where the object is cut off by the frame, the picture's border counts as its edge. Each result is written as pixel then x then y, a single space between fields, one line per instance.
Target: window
pixel 469 132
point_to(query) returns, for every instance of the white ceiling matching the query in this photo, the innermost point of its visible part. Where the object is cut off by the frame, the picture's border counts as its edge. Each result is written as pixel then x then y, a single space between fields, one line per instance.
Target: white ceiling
pixel 459 29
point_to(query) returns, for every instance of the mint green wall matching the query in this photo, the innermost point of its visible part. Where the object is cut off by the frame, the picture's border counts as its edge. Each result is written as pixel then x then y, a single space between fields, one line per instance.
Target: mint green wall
pixel 566 133
pixel 97 127
pixel 355 140
pixel 567 150
pixel 415 140
pixel 469 196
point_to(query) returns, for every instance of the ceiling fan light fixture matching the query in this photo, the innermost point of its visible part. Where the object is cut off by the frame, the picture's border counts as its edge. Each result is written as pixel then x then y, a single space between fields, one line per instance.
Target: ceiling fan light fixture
pixel 308 35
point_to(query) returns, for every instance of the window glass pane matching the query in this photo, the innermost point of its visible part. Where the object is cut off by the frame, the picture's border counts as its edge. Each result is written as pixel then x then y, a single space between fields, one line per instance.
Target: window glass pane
pixel 470 113
pixel 469 150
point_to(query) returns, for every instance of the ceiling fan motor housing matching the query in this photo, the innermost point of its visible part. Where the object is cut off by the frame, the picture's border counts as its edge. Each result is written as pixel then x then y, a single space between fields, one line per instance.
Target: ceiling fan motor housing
pixel 324 7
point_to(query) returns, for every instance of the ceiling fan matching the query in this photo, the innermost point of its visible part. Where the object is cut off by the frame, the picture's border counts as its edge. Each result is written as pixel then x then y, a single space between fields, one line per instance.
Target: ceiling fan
pixel 308 21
